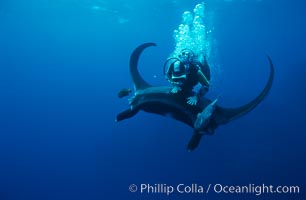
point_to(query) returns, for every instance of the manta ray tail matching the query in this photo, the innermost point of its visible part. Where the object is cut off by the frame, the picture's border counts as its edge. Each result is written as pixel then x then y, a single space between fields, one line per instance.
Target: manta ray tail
pixel 139 82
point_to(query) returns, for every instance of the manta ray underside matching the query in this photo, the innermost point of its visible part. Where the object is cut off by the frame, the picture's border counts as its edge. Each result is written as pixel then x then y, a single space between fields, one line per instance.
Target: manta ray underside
pixel 159 100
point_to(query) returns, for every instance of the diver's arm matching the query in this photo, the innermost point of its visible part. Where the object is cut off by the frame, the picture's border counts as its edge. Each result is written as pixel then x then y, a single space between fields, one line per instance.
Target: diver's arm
pixel 202 78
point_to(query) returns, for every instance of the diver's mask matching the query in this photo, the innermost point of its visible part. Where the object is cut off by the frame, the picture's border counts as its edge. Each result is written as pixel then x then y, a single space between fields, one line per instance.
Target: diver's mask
pixel 186 56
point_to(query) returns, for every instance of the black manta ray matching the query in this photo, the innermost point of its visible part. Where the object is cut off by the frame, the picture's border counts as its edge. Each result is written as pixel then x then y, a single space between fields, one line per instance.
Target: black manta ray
pixel 204 118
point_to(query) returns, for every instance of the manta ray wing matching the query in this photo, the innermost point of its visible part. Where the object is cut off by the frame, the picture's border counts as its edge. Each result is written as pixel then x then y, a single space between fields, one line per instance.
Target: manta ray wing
pixel 159 100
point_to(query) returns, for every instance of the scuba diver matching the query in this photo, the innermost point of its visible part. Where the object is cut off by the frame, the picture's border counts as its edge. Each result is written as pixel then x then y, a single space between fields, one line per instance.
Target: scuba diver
pixel 186 72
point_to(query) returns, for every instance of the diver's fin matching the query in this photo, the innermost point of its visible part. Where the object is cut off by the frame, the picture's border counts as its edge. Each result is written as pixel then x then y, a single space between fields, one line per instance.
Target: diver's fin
pixel 225 115
pixel 194 141
pixel 139 83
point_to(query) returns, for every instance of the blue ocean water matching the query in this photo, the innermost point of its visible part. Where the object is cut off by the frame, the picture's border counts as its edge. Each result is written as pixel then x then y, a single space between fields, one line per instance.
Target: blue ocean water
pixel 62 63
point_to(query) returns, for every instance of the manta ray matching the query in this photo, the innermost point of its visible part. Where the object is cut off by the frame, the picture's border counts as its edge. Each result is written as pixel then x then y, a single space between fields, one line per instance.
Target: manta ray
pixel 204 117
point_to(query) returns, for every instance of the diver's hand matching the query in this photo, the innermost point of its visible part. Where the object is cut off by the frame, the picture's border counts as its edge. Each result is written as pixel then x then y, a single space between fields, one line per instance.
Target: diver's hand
pixel 192 100
pixel 175 89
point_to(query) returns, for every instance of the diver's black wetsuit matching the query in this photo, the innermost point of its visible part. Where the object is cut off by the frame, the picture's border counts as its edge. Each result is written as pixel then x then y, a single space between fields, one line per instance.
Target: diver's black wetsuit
pixel 192 78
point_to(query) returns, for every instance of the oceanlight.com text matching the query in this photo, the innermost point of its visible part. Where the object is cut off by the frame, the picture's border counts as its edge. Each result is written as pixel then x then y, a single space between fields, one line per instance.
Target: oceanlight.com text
pixel 195 188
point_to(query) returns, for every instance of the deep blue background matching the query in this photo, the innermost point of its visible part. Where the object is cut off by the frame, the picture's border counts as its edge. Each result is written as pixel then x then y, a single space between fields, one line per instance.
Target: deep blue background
pixel 62 63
